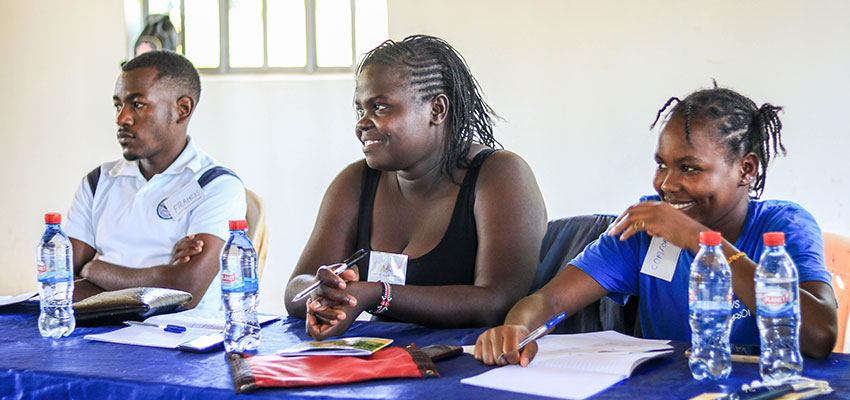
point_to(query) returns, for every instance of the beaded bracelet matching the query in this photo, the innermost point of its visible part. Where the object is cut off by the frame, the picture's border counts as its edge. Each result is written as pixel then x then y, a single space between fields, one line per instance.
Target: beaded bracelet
pixel 386 298
pixel 736 256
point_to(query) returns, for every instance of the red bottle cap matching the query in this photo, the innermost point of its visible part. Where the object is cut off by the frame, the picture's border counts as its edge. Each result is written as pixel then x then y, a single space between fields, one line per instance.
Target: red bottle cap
pixel 774 239
pixel 709 238
pixel 238 225
pixel 52 218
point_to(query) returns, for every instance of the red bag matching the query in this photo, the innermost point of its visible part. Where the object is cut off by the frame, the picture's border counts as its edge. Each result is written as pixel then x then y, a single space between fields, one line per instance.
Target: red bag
pixel 254 371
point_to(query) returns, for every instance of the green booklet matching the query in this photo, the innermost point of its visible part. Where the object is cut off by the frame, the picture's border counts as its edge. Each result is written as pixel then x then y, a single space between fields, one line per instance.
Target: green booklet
pixel 352 346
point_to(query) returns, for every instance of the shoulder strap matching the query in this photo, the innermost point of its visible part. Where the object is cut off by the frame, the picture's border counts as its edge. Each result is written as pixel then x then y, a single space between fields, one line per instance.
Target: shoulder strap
pixel 93 177
pixel 213 173
pixel 475 165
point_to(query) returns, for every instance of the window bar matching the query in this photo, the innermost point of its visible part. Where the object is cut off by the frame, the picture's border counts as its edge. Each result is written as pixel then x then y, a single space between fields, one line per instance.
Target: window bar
pixel 265 36
pixel 312 61
pixel 224 35
pixel 353 35
pixel 182 26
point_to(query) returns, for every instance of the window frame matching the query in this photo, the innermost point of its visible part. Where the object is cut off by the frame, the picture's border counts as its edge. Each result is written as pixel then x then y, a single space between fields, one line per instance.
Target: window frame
pixel 224 67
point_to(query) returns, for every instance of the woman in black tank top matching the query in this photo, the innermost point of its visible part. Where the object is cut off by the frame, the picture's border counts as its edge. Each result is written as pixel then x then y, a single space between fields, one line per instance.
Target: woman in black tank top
pixel 431 186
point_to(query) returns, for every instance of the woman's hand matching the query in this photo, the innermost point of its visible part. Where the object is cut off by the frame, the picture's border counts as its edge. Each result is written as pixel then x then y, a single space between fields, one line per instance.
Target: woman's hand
pixel 504 339
pixel 659 219
pixel 332 290
pixel 185 249
pixel 326 317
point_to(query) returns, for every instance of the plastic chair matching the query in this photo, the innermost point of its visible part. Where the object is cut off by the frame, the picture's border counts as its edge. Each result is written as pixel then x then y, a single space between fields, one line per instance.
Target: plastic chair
pixel 565 238
pixel 837 255
pixel 257 229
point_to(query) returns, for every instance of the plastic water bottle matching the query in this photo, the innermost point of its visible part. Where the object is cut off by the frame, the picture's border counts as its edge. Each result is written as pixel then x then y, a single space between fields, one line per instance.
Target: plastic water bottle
pixel 239 291
pixel 54 260
pixel 778 311
pixel 710 304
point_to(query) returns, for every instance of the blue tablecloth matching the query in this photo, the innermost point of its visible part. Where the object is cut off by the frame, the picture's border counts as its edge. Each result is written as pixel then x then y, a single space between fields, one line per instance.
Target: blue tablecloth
pixel 33 367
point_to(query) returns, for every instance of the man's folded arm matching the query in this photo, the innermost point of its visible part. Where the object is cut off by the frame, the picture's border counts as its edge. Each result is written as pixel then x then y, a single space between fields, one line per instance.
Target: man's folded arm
pixel 193 276
pixel 83 253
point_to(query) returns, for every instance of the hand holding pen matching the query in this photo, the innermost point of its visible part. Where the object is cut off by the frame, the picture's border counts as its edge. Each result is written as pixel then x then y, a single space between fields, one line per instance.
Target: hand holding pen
pixel 336 269
pixel 492 347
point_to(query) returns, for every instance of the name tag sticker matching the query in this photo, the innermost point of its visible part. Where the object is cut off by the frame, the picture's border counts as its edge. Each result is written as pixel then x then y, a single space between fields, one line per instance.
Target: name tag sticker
pixel 184 200
pixel 661 259
pixel 387 267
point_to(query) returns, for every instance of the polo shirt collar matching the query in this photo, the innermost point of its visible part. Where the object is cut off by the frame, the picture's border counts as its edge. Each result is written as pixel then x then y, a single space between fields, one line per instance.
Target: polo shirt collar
pixel 189 158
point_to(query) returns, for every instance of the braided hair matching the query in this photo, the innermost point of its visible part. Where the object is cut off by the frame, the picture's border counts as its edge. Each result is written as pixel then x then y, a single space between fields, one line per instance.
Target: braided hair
pixel 437 68
pixel 741 125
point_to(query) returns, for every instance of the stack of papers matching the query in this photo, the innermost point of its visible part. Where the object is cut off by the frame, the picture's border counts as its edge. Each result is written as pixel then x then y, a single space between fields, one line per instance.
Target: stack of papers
pixel 197 323
pixel 352 346
pixel 575 366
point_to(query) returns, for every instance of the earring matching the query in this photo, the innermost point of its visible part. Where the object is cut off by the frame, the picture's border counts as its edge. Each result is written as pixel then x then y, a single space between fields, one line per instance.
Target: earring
pixel 746 180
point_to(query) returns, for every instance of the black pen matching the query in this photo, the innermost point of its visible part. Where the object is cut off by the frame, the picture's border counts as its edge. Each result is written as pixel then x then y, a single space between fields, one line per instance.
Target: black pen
pixel 339 268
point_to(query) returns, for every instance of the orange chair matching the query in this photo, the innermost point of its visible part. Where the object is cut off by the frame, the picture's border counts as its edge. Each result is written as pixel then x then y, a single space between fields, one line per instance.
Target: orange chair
pixel 837 252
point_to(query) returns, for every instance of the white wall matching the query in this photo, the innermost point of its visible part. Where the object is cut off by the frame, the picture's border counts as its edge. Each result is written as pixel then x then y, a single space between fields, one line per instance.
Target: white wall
pixel 578 83
pixel 57 74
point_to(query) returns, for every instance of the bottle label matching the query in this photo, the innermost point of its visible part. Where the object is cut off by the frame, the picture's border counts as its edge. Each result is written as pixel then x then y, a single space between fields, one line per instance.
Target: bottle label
pixel 55 276
pixel 230 283
pixel 775 302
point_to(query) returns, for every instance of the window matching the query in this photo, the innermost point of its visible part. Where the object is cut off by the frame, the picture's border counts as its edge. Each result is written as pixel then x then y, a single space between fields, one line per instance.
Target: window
pixel 237 36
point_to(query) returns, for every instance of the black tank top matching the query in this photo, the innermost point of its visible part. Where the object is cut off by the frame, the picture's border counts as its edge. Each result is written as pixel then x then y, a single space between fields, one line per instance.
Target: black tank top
pixel 452 261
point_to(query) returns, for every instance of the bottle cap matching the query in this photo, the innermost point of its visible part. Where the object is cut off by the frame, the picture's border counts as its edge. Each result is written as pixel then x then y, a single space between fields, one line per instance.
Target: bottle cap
pixel 774 239
pixel 238 225
pixel 52 218
pixel 709 238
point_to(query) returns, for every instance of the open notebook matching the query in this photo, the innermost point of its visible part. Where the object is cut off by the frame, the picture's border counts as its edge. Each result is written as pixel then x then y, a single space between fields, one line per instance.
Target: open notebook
pixel 197 323
pixel 574 366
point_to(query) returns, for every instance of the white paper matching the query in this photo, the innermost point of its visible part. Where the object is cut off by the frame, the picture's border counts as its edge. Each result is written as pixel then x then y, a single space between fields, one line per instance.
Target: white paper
pixel 197 322
pixel 150 336
pixel 6 300
pixel 574 366
pixel 545 381
pixel 661 259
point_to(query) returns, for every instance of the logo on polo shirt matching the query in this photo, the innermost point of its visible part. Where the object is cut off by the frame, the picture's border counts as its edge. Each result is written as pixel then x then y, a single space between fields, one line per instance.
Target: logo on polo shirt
pixel 162 211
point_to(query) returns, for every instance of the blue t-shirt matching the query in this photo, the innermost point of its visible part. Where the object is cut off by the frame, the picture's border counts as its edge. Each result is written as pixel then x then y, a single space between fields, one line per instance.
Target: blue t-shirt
pixel 616 266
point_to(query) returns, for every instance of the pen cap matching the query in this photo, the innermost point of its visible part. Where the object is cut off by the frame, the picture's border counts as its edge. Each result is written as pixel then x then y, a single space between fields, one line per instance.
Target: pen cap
pixel 238 225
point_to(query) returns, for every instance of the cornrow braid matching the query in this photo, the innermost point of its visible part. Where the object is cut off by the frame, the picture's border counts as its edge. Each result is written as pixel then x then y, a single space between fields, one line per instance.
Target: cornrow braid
pixel 437 68
pixel 738 123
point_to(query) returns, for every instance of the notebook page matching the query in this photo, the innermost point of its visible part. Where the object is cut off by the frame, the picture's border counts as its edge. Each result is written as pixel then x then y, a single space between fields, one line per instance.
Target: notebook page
pixel 545 381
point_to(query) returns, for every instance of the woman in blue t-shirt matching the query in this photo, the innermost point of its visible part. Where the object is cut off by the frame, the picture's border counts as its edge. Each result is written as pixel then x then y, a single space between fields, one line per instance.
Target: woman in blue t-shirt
pixel 712 158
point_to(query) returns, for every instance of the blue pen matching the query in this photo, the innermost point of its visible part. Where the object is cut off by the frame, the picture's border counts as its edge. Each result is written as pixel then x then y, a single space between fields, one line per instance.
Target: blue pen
pixel 168 328
pixel 537 333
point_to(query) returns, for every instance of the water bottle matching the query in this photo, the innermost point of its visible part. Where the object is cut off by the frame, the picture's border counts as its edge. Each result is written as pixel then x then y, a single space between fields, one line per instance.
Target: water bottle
pixel 778 311
pixel 239 291
pixel 54 260
pixel 710 310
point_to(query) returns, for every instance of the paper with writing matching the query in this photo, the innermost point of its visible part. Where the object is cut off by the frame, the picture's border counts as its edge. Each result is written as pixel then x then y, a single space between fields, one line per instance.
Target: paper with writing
pixel 661 259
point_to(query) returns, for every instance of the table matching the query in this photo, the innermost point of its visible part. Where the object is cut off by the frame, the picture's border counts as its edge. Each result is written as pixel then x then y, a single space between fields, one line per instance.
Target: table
pixel 75 368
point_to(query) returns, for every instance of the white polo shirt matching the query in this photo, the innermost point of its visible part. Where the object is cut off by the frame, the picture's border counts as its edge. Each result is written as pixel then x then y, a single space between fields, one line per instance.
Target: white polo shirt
pixel 128 223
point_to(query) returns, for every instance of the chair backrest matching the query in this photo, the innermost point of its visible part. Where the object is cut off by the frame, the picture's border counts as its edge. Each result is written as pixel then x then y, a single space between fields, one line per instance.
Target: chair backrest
pixel 565 238
pixel 837 255
pixel 257 229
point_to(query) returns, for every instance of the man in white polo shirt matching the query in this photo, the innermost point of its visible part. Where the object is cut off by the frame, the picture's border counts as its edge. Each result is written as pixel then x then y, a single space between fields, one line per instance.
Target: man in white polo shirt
pixel 128 215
